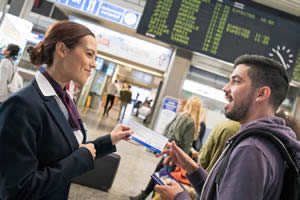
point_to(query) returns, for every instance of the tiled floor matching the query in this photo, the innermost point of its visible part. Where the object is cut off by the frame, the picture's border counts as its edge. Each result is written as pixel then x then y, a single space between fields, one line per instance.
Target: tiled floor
pixel 136 163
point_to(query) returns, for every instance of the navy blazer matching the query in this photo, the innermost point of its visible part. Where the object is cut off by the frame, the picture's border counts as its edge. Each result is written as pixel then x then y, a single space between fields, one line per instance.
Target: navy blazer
pixel 39 154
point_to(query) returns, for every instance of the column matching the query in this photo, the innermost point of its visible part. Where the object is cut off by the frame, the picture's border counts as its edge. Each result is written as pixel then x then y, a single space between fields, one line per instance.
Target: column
pixel 296 109
pixel 173 80
pixel 3 4
pixel 20 8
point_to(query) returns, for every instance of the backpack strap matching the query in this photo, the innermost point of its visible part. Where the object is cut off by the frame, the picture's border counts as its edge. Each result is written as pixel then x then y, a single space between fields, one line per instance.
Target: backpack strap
pixel 14 71
pixel 291 162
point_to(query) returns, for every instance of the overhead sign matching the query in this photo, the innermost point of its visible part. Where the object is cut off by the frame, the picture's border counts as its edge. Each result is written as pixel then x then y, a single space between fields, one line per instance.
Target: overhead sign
pixel 108 11
pixel 35 38
pixel 111 12
pixel 128 47
pixel 92 7
pixel 224 29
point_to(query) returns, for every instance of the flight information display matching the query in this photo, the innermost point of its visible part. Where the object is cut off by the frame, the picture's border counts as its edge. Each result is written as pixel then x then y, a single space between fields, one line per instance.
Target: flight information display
pixel 224 29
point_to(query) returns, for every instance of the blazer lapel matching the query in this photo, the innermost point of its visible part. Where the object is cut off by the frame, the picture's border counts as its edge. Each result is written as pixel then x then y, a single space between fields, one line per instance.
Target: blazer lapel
pixel 54 109
pixel 82 126
pixel 61 121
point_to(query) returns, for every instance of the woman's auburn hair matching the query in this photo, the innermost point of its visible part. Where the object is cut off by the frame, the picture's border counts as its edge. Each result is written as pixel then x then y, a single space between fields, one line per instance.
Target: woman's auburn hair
pixel 67 32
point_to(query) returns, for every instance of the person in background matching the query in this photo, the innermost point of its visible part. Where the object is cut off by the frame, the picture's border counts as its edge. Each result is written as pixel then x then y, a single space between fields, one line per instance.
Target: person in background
pixel 182 129
pixel 7 69
pixel 197 143
pixel 42 138
pixel 181 104
pixel 255 170
pixel 113 91
pixel 125 99
pixel 290 121
pixel 214 145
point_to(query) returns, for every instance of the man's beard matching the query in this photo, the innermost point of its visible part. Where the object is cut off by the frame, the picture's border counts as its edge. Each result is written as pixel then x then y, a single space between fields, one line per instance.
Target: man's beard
pixel 239 111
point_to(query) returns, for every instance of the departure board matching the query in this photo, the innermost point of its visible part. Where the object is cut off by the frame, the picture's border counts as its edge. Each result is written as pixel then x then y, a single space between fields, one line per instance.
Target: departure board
pixel 224 29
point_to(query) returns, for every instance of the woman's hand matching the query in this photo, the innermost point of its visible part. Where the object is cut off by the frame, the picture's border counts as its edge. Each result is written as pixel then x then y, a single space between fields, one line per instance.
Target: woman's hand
pixel 120 132
pixel 91 148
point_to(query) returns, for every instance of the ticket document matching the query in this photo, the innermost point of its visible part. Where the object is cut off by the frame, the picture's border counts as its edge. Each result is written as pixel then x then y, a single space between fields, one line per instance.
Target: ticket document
pixel 146 137
pixel 163 177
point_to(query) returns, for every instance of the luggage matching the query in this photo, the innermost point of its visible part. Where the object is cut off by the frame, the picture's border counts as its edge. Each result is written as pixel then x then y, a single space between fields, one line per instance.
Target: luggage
pixel 103 175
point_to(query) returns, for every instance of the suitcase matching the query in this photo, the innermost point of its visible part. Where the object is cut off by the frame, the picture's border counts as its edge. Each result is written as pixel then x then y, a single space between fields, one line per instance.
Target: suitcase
pixel 103 175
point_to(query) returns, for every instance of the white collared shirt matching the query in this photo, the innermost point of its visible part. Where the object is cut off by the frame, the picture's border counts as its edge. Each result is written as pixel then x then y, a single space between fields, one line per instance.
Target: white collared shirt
pixel 47 90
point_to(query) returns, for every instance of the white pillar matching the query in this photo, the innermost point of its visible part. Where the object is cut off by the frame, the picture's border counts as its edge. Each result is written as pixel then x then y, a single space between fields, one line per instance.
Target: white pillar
pixel 20 8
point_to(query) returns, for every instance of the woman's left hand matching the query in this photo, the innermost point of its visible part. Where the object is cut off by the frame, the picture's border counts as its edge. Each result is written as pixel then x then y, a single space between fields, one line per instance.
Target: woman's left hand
pixel 120 132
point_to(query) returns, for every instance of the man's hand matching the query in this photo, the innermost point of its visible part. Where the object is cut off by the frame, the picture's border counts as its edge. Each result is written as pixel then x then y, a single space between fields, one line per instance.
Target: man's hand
pixel 175 156
pixel 90 147
pixel 120 132
pixel 168 192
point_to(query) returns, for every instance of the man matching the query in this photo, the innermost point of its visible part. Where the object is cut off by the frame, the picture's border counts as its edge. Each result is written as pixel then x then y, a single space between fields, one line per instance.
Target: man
pixel 125 99
pixel 255 170
pixel 113 91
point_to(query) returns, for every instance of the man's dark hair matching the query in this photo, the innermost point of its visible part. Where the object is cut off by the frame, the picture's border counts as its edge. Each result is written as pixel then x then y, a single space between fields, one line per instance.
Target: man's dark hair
pixel 14 50
pixel 266 72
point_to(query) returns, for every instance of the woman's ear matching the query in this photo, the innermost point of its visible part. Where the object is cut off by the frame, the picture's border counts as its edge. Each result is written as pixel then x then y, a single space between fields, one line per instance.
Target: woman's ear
pixel 61 49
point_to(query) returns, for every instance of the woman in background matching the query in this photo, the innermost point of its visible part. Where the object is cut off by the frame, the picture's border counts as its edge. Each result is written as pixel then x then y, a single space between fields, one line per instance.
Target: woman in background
pixel 7 69
pixel 42 139
pixel 197 143
pixel 183 129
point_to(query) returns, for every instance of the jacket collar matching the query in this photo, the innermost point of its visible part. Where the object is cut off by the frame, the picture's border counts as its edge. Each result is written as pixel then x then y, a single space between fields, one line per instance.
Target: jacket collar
pixel 44 85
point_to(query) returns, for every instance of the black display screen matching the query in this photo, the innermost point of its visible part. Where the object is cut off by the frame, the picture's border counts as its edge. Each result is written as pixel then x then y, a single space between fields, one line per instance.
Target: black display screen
pixel 224 29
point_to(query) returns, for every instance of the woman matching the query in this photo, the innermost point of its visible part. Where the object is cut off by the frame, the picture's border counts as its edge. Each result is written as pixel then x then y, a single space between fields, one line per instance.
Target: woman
pixel 7 69
pixel 183 129
pixel 197 143
pixel 42 138
pixel 125 99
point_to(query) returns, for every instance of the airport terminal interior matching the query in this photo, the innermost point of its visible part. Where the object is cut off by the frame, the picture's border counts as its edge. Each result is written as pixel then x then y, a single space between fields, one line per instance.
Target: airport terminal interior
pixel 165 50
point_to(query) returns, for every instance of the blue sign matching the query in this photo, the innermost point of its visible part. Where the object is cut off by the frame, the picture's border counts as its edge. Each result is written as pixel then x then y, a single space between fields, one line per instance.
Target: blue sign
pixel 111 12
pixel 91 6
pixel 35 38
pixel 75 3
pixel 130 19
pixel 104 10
pixel 170 104
pixel 61 1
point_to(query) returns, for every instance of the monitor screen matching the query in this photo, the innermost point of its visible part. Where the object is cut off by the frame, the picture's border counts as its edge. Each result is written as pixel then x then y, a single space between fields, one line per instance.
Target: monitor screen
pixel 99 63
pixel 224 29
pixel 110 69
